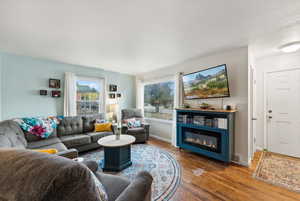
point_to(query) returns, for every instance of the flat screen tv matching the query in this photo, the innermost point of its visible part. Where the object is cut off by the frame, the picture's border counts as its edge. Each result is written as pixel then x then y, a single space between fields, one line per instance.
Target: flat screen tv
pixel 209 83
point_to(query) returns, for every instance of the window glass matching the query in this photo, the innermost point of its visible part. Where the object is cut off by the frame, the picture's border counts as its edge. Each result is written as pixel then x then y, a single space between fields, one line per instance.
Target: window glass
pixel 88 97
pixel 159 100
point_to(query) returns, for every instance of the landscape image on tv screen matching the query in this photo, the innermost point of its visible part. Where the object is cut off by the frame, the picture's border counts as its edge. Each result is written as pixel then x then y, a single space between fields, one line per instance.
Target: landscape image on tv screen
pixel 210 83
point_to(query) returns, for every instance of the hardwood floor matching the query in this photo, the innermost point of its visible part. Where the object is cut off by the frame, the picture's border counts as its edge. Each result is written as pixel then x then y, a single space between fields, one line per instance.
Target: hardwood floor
pixel 220 181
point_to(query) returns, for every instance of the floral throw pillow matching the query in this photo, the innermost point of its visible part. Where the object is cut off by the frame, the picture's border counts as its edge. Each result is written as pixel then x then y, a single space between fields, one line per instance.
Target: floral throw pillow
pixel 38 126
pixel 133 123
pixel 100 188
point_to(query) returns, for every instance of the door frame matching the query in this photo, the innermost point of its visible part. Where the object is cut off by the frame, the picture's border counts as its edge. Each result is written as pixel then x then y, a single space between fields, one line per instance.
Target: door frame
pixel 266 137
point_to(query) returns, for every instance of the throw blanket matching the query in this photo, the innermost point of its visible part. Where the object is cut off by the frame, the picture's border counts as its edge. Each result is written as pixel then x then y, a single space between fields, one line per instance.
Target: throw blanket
pixel 41 127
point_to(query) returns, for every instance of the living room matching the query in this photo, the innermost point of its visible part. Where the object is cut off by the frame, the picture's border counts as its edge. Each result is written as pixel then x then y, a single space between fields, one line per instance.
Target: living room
pixel 149 101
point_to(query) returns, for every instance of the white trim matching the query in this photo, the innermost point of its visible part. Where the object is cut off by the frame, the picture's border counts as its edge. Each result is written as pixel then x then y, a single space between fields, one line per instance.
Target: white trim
pixel 160 138
pixel 159 120
pixel 158 80
pixel 242 163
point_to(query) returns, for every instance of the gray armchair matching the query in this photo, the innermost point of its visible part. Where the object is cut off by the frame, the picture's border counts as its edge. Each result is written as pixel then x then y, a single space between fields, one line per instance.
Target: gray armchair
pixel 141 133
pixel 27 175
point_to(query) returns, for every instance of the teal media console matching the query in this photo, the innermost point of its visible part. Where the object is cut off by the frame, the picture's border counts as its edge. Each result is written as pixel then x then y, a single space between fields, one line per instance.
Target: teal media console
pixel 206 132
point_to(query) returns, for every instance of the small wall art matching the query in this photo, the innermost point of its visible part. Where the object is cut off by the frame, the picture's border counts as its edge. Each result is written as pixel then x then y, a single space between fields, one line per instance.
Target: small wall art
pixel 55 94
pixel 54 83
pixel 112 96
pixel 119 95
pixel 113 88
pixel 43 92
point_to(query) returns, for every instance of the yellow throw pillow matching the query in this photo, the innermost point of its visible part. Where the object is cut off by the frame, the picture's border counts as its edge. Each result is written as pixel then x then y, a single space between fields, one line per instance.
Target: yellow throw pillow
pixel 103 127
pixel 48 151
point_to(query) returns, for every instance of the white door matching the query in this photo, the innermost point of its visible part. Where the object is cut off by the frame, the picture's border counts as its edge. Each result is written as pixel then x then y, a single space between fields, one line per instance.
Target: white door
pixel 253 108
pixel 283 112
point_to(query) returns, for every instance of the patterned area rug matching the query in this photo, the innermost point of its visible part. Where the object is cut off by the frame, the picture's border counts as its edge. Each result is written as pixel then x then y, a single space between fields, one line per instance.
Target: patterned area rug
pixel 162 166
pixel 279 170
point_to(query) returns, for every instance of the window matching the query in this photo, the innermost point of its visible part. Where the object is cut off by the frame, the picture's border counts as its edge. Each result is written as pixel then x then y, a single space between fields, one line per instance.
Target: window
pixel 159 100
pixel 89 95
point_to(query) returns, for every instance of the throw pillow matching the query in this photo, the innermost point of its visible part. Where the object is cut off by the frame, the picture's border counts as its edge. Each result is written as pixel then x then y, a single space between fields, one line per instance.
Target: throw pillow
pixel 103 127
pixel 133 123
pixel 48 151
pixel 99 187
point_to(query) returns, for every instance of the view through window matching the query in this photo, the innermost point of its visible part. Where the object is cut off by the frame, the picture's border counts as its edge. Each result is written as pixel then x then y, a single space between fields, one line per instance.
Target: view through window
pixel 88 96
pixel 159 100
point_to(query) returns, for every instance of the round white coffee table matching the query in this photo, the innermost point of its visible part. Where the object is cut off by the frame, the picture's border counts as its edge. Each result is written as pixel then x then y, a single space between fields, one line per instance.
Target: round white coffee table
pixel 117 152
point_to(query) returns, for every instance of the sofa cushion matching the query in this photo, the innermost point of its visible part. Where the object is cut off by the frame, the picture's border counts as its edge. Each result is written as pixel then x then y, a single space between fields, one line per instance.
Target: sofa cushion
pixel 11 135
pixel 72 141
pixel 95 136
pixel 44 177
pixel 42 143
pixel 136 130
pixel 70 126
pixel 90 120
pixel 33 138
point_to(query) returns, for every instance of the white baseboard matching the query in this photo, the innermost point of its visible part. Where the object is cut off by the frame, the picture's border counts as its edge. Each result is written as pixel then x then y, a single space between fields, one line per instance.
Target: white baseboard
pixel 242 163
pixel 161 138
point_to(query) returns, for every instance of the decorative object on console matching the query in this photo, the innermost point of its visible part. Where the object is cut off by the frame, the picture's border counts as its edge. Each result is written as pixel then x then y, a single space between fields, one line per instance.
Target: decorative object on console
pixel 43 92
pixel 54 83
pixel 227 107
pixel 205 106
pixel 55 94
pixel 112 95
pixel 113 88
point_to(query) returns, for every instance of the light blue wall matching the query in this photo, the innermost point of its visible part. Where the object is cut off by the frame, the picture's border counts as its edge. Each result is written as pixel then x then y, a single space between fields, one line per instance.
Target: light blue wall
pixel 23 77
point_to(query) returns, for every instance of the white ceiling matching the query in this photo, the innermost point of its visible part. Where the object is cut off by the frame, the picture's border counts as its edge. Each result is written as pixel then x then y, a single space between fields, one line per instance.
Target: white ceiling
pixel 136 36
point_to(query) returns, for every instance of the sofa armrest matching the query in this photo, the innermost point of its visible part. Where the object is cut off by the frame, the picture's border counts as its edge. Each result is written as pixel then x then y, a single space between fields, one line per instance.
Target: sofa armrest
pixel 139 189
pixel 92 165
pixel 147 129
pixel 70 153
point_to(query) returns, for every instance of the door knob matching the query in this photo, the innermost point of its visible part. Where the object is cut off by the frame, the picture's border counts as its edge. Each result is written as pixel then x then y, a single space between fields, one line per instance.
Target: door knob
pixel 254 119
pixel 270 111
pixel 270 117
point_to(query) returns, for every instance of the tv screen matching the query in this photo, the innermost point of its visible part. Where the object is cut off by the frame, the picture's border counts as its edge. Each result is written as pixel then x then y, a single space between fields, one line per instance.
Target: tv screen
pixel 209 83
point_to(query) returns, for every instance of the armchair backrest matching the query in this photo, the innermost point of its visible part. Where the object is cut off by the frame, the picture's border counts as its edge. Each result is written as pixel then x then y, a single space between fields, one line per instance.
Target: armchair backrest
pixel 131 113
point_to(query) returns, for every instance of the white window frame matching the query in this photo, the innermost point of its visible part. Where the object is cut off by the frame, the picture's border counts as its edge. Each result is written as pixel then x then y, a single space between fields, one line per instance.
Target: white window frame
pixel 157 81
pixel 102 98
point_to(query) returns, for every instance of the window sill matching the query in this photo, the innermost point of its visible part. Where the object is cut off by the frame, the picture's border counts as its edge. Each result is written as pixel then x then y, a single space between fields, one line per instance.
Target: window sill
pixel 160 120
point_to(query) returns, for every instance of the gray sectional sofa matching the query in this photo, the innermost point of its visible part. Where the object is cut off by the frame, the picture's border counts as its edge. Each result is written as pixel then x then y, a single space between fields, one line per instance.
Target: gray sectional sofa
pixel 26 176
pixel 73 135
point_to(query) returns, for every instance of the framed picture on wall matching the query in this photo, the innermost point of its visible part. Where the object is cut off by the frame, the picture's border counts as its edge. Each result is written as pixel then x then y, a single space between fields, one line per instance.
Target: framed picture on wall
pixel 54 83
pixel 119 95
pixel 55 94
pixel 113 88
pixel 112 95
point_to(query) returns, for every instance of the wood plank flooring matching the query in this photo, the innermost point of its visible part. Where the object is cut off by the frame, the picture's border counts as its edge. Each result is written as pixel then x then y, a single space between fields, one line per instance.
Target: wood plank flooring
pixel 220 181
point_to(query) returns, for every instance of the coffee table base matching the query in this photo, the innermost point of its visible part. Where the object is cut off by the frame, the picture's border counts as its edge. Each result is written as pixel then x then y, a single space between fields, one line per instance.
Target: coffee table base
pixel 116 158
